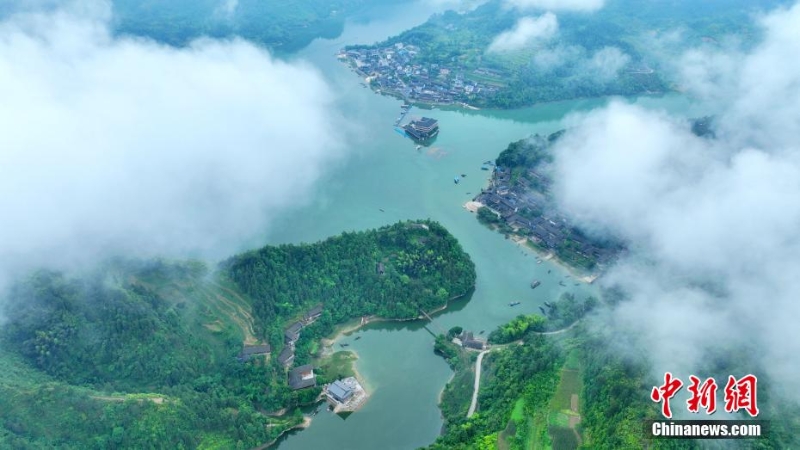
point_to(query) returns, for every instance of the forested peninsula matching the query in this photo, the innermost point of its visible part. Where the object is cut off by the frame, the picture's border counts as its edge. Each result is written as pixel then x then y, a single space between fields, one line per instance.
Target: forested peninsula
pixel 141 354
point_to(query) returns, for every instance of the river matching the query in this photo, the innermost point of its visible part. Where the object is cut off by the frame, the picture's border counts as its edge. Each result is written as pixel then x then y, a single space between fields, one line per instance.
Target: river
pixel 384 171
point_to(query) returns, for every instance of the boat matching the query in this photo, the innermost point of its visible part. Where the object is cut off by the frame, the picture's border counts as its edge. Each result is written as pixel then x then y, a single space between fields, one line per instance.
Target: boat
pixel 535 284
pixel 513 303
pixel 561 283
pixel 419 146
pixel 481 332
pixel 357 338
pixel 381 210
pixel 485 167
pixel 344 345
pixel 456 180
pixel 463 175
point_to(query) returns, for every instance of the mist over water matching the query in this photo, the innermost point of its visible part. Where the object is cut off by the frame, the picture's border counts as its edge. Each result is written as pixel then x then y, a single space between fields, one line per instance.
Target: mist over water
pixel 115 145
pixel 712 223
pixel 118 145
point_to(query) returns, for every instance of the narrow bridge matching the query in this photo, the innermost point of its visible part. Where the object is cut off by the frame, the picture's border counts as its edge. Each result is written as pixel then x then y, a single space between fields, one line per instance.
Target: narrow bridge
pixel 431 327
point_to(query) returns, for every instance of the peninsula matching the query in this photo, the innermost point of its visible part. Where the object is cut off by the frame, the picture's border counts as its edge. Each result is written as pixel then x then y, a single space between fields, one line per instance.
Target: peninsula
pixel 518 202
pixel 172 353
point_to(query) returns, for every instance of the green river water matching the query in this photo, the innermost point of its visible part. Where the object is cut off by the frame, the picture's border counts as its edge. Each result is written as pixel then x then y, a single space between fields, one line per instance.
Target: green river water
pixel 383 170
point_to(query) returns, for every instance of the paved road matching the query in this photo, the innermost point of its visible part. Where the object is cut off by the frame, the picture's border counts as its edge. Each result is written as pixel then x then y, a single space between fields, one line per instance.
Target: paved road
pixel 477 383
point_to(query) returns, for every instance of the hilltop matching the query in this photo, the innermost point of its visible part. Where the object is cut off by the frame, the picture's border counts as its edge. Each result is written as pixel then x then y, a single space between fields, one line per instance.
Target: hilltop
pixel 141 353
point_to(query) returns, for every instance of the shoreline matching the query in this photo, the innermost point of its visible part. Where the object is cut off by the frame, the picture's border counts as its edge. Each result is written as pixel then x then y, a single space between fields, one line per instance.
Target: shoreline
pixel 300 426
pixel 461 106
pixel 441 393
pixel 366 320
pixel 346 330
pixel 581 276
pixel 522 241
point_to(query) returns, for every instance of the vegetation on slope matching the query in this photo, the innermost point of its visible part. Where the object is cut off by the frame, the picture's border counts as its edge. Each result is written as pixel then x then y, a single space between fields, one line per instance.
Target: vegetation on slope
pixel 142 354
pixel 575 391
pixel 423 267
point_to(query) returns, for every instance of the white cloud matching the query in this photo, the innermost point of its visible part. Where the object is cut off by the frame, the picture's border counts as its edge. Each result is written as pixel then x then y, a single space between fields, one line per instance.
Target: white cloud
pixel 713 225
pixel 547 59
pixel 558 5
pixel 601 67
pixel 606 63
pixel 124 145
pixel 526 31
pixel 227 8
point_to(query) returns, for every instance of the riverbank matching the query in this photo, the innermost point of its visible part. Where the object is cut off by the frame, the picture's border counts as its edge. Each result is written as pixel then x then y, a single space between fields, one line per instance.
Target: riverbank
pixel 551 256
pixel 300 426
pixel 526 245
pixel 351 327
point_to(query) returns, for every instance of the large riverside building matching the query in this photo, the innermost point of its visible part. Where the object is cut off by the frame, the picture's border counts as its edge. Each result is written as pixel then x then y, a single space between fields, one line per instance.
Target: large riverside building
pixel 422 129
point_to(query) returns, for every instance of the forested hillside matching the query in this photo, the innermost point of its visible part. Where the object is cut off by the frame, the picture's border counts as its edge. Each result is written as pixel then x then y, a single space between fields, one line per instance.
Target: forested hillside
pixel 140 354
pixel 422 266
pixel 574 390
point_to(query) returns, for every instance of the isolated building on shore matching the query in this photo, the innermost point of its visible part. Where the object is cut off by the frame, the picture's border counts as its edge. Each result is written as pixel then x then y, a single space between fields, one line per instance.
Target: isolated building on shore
pixel 339 392
pixel 422 129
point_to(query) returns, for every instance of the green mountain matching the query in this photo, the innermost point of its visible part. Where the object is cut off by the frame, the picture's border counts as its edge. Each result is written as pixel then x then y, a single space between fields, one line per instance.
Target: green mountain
pixel 144 354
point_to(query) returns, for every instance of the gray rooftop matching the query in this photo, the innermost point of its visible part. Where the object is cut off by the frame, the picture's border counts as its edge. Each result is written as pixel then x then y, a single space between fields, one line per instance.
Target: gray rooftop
pixel 339 390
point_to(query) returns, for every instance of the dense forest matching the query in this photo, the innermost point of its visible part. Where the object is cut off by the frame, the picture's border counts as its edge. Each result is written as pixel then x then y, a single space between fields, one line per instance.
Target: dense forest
pixel 137 354
pixel 393 272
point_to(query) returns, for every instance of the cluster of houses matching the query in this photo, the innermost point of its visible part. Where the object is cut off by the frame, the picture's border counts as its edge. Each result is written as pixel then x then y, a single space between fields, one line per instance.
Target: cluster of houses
pixel 523 205
pixel 299 377
pixel 292 334
pixel 394 69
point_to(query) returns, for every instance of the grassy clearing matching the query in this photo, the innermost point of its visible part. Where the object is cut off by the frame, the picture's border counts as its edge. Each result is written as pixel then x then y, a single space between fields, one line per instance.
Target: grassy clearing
pixel 518 413
pixel 338 365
